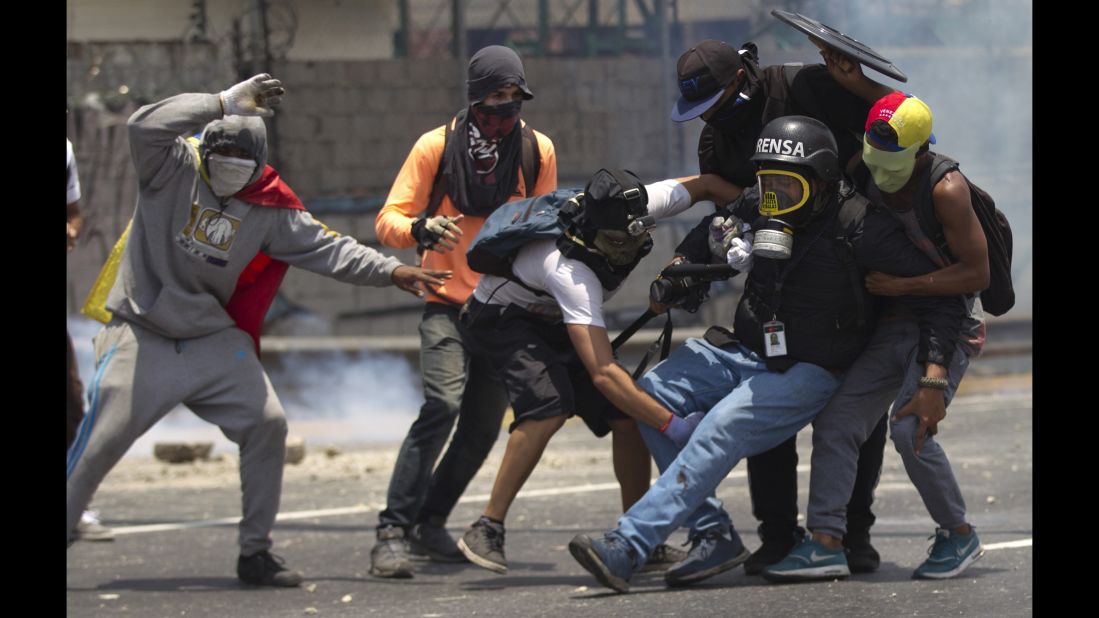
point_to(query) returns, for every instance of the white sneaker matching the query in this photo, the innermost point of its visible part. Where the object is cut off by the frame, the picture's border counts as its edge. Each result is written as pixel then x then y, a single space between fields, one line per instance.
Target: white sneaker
pixel 89 528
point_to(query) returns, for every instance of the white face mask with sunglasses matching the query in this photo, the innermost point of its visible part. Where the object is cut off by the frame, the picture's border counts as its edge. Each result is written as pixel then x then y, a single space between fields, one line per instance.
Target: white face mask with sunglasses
pixel 229 174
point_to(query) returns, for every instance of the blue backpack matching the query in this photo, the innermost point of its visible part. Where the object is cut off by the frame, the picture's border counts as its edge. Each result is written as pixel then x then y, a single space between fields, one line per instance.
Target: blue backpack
pixel 513 225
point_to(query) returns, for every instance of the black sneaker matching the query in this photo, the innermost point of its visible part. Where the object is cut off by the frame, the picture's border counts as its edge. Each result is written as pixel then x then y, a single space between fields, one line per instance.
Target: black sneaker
pixel 663 558
pixel 483 545
pixel 861 555
pixel 266 569
pixel 427 542
pixel 773 550
pixel 389 558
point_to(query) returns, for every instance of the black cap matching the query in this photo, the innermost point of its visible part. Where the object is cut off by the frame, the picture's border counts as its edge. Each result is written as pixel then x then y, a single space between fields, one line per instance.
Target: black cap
pixel 799 140
pixel 702 73
pixel 492 68
pixel 613 198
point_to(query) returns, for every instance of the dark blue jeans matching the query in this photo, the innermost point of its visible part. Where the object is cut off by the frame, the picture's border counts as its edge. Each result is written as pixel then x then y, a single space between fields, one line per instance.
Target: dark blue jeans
pixel 457 386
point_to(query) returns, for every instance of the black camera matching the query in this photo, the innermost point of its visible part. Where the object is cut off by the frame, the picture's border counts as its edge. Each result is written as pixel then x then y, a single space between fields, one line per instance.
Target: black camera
pixel 684 284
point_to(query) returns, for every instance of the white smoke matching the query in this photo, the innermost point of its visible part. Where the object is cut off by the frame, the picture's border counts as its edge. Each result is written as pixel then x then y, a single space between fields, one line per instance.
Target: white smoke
pixel 330 398
pixel 971 61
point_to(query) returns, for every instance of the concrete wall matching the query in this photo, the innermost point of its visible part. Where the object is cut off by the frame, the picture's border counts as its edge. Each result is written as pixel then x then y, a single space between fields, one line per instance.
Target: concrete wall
pixel 347 125
pixel 320 29
pixel 344 130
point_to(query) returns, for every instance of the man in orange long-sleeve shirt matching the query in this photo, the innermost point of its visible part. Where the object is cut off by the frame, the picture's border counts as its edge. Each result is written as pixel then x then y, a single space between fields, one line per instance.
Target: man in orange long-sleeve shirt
pixel 480 159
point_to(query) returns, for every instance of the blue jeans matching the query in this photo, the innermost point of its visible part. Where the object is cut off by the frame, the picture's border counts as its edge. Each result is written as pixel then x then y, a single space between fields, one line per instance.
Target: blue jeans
pixel 748 410
pixel 457 385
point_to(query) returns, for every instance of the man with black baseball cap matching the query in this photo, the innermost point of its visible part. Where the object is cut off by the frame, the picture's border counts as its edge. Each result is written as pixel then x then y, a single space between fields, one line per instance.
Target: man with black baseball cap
pixel 736 97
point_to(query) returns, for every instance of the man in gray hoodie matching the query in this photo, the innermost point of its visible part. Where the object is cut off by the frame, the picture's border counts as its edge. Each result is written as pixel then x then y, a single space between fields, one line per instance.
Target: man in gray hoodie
pixel 213 233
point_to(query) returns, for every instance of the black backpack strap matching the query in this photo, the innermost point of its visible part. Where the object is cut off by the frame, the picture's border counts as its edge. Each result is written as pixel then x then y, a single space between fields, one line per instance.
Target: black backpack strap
pixel 941 165
pixel 790 71
pixel 635 326
pixel 532 161
pixel 438 187
pixel 663 342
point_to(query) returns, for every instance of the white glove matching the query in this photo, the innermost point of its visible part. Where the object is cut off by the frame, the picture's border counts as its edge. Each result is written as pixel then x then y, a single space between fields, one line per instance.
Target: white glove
pixel 739 255
pixel 254 97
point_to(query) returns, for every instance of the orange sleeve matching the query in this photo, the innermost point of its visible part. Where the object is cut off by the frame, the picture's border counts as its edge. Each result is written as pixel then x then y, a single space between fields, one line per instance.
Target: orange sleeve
pixel 411 190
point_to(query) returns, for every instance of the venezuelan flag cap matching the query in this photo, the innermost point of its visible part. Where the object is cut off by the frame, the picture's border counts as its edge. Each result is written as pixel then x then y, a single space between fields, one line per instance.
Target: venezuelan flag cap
pixel 909 117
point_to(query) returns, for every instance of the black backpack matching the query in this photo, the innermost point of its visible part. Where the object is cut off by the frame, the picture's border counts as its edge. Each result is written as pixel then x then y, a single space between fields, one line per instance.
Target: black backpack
pixel 999 298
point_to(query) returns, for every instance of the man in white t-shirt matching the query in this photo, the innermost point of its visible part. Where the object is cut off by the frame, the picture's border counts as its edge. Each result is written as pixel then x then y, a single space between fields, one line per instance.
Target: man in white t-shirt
pixel 543 331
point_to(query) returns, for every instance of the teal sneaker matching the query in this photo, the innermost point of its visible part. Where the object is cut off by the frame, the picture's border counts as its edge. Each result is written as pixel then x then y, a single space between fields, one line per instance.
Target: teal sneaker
pixel 951 554
pixel 809 561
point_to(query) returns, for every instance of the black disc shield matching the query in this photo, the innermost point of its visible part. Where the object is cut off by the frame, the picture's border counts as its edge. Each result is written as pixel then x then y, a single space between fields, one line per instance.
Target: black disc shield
pixel 834 38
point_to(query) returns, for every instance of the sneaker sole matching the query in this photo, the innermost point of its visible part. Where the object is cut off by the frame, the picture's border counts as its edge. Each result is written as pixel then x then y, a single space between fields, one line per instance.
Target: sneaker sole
pixel 395 574
pixel 293 582
pixel 808 575
pixel 975 556
pixel 582 551
pixel 421 553
pixel 479 561
pixel 678 582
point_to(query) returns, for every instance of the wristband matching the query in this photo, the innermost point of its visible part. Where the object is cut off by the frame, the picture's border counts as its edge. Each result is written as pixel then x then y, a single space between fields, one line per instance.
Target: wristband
pixel 936 383
pixel 667 423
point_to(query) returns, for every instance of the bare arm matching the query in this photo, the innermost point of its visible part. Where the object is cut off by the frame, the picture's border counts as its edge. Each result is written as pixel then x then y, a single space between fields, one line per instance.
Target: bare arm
pixel 966 241
pixel 710 187
pixel 593 346
pixel 848 73
pixel 74 223
pixel 927 404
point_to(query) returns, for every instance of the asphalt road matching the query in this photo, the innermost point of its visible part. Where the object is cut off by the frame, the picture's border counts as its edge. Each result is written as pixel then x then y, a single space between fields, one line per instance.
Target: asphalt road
pixel 189 570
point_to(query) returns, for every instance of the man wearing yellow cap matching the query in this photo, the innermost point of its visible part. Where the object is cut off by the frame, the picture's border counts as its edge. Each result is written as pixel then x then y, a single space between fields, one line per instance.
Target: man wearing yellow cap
pixel 899 174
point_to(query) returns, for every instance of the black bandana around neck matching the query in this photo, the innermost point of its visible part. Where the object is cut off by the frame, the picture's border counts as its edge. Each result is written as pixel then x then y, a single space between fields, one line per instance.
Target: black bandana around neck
pixel 481 173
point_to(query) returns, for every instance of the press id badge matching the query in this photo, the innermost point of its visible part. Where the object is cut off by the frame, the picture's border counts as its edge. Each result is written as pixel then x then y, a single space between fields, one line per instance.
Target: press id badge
pixel 774 338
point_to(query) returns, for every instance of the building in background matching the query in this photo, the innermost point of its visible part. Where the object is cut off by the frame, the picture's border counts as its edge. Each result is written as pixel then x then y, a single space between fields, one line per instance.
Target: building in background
pixel 366 77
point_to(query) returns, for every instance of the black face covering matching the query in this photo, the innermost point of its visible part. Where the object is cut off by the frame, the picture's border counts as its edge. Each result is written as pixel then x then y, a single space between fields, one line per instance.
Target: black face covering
pixel 483 154
pixel 480 174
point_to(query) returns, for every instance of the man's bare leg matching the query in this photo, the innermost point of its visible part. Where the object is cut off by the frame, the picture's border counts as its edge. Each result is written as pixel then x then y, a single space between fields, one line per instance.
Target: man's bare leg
pixel 524 450
pixel 632 462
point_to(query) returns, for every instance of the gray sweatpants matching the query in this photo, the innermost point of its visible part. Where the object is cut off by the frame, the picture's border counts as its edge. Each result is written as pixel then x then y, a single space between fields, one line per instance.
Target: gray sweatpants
pixel 886 372
pixel 140 376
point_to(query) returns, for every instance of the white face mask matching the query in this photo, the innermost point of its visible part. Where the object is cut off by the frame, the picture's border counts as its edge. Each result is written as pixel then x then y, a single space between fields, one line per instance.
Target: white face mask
pixel 229 174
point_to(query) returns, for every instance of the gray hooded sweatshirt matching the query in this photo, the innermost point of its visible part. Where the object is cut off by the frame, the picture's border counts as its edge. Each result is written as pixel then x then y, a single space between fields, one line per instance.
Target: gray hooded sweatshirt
pixel 187 248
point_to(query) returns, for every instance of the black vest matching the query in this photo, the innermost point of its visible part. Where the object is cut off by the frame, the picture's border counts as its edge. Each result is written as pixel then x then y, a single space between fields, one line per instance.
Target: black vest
pixel 822 302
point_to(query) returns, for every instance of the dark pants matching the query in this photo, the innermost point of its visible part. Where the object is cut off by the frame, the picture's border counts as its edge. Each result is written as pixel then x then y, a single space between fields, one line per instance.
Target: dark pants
pixel 457 386
pixel 773 484
pixel 74 396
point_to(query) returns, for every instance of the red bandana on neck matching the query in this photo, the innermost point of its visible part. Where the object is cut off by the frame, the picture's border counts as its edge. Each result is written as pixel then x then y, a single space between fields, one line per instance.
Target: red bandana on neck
pixel 260 280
